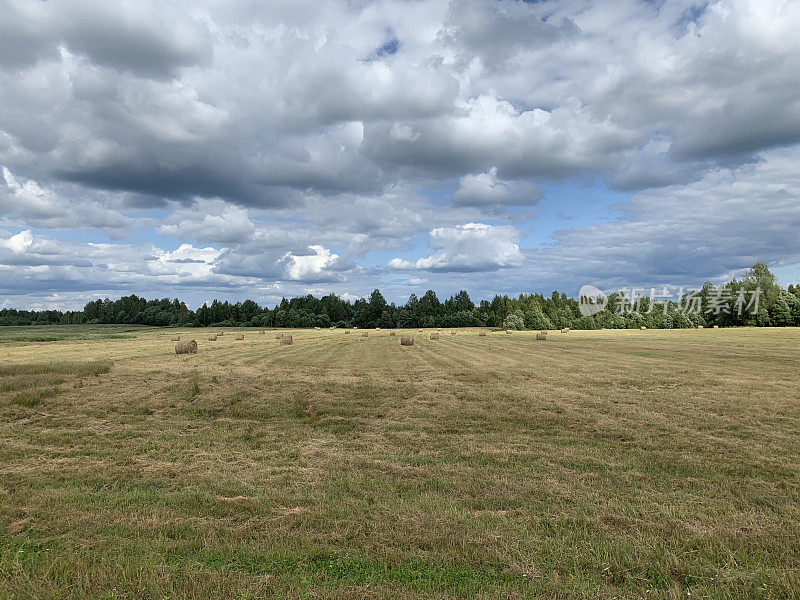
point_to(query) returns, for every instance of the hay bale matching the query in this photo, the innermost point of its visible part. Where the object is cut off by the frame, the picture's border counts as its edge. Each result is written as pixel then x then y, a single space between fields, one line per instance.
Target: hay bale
pixel 377 328
pixel 438 329
pixel 541 336
pixel 716 326
pixel 565 330
pixel 278 336
pixel 175 338
pixel 239 336
pixel 212 338
pixel 419 330
pixel 481 334
pixel 407 340
pixel 347 331
pixel 392 333
pixel 699 326
pixel 509 332
pixel 332 327
pixel 317 328
pixel 287 340
pixel 220 334
pixel 365 334
pixel 189 347
pixel 452 332
pixel 642 327
pixel 434 336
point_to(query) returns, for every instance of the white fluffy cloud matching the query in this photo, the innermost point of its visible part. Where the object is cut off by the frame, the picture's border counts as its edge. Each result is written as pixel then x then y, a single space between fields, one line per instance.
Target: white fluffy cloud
pixel 309 266
pixel 19 242
pixel 470 247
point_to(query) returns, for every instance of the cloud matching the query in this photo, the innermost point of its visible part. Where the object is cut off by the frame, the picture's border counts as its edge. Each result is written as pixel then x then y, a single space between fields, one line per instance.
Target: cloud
pixel 467 248
pixel 24 200
pixel 143 37
pixel 212 222
pixel 186 263
pixel 250 132
pixel 486 189
pixel 684 234
pixel 310 267
pixel 19 242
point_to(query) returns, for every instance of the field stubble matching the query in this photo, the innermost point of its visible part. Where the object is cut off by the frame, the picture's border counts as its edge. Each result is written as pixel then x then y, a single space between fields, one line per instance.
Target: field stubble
pixel 626 464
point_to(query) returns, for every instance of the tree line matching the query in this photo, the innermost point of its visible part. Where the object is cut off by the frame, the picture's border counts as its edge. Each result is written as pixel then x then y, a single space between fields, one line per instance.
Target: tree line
pixel 710 305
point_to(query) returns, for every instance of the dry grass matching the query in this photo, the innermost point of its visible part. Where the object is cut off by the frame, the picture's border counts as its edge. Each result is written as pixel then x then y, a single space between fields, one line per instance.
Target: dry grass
pixel 187 347
pixel 605 464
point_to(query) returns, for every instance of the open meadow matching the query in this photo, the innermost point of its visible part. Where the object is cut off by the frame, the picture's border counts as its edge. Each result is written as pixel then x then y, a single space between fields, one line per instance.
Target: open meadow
pixel 596 464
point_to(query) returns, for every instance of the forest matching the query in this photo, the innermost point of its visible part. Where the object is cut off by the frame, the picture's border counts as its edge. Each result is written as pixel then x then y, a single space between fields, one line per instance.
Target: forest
pixel 707 306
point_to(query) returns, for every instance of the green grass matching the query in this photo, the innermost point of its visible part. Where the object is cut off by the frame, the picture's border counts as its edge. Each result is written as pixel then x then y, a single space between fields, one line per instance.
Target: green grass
pixel 655 464
pixel 57 333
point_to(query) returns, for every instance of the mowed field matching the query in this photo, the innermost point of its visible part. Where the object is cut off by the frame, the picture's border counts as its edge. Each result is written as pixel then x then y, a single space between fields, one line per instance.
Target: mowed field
pixel 597 464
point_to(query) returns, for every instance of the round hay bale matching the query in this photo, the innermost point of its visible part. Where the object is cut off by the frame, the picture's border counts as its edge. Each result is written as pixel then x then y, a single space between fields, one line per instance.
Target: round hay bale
pixel 541 336
pixel 355 327
pixel 452 332
pixel 509 332
pixel 407 340
pixel 438 329
pixel 565 330
pixel 699 326
pixel 482 334
pixel 318 328
pixel 175 338
pixel 332 327
pixel 220 334
pixel 347 331
pixel 377 328
pixel 189 347
pixel 212 338
pixel 642 327
pixel 365 334
pixel 434 336
pixel 239 337
pixel 278 336
pixel 392 333
pixel 716 326
pixel 419 330
pixel 287 340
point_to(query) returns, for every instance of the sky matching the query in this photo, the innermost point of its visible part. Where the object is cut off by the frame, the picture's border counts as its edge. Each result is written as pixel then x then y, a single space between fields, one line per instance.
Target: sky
pixel 245 149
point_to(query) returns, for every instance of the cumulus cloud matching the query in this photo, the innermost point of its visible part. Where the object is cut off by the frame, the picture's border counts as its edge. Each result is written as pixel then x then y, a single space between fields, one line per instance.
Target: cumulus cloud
pixel 470 247
pixel 486 189
pixel 211 222
pixel 309 267
pixel 19 242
